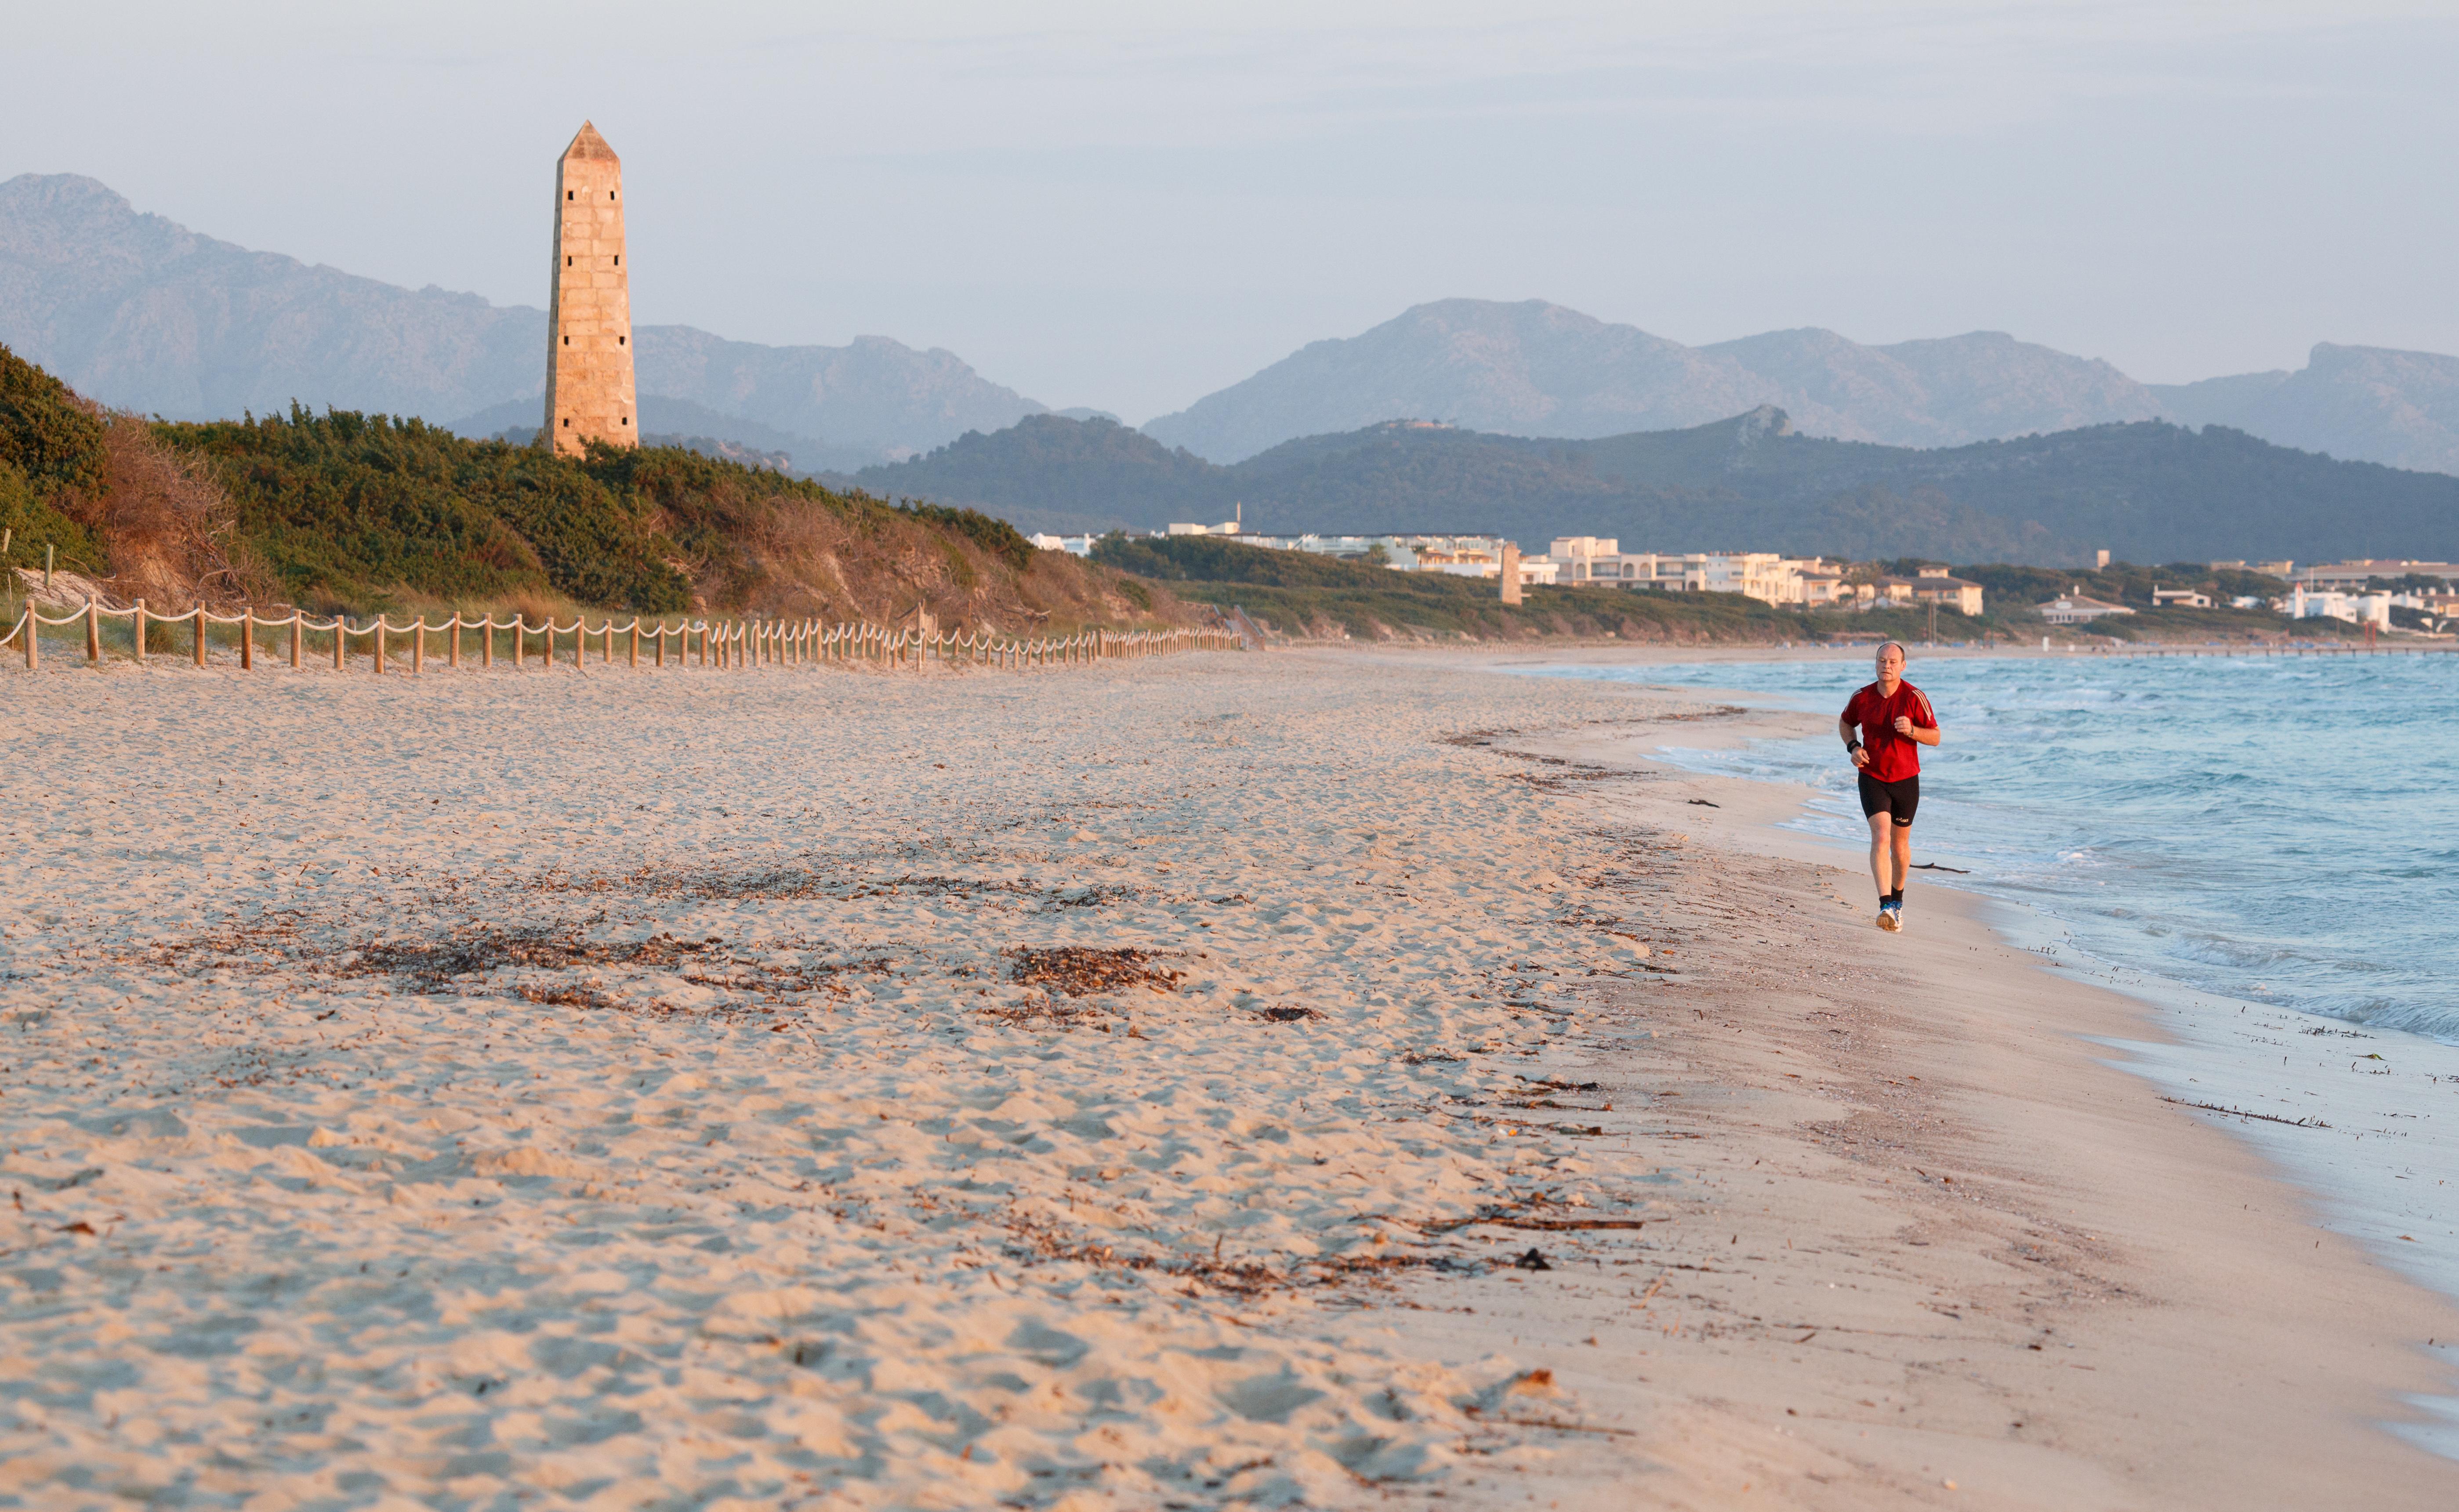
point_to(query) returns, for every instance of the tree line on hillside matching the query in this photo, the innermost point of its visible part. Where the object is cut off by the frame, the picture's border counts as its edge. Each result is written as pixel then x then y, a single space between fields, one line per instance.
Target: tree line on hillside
pixel 2150 491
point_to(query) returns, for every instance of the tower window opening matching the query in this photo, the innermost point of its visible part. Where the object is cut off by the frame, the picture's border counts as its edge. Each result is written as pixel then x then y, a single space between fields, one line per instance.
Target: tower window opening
pixel 610 194
pixel 619 260
pixel 567 262
pixel 567 341
pixel 567 422
pixel 622 340
pixel 567 194
pixel 627 419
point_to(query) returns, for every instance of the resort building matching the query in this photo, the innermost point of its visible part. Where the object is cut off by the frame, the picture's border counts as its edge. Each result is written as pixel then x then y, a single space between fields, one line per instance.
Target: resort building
pixel 2373 608
pixel 2076 609
pixel 2348 575
pixel 2178 598
pixel 1599 561
pixel 1940 587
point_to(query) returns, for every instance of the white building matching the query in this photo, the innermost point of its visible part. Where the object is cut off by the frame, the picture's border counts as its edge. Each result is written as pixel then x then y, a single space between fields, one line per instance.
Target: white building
pixel 1599 561
pixel 2075 609
pixel 2373 608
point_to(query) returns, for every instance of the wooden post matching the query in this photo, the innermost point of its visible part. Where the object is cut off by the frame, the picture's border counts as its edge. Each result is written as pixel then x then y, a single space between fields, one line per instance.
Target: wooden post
pixel 662 643
pixel 453 645
pixel 139 657
pixel 635 642
pixel 247 638
pixel 380 645
pixel 418 646
pixel 518 627
pixel 92 632
pixel 33 657
pixel 199 613
pixel 606 641
pixel 486 640
pixel 296 635
pixel 341 638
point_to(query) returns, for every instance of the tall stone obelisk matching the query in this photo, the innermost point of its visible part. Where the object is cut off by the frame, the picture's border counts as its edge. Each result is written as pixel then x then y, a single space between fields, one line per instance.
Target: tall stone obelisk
pixel 589 394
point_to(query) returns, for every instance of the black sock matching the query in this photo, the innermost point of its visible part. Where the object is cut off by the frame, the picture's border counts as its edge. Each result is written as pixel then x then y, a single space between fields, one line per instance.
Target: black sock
pixel 1896 897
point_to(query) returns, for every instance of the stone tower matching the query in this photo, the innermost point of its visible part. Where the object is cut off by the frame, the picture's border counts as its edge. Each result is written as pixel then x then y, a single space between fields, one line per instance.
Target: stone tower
pixel 589 311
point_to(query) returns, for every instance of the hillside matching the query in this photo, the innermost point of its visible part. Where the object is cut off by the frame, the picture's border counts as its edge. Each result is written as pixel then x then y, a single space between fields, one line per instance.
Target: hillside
pixel 2148 491
pixel 144 314
pixel 360 512
pixel 2368 402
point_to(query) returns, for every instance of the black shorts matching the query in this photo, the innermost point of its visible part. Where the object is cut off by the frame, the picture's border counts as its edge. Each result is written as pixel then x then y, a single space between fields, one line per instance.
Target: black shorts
pixel 1897 798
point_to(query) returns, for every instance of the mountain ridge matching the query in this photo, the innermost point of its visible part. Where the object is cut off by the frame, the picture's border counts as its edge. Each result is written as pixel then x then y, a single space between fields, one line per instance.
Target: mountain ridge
pixel 142 313
pixel 1534 368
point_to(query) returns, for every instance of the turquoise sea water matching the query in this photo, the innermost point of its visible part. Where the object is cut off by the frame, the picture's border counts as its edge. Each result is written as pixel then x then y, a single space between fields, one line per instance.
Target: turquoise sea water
pixel 2278 830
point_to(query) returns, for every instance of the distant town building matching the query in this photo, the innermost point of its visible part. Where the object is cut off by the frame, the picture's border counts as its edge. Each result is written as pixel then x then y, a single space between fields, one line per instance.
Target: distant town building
pixel 2304 603
pixel 2178 598
pixel 2349 575
pixel 2269 569
pixel 2075 609
pixel 1940 586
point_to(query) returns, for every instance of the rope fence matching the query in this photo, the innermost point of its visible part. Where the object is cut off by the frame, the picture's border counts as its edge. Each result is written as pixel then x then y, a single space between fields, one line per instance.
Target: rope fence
pixel 733 645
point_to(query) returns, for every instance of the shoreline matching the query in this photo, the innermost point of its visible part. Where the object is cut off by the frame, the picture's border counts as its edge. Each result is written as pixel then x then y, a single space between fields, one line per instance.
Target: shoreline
pixel 2411 1404
pixel 2163 1272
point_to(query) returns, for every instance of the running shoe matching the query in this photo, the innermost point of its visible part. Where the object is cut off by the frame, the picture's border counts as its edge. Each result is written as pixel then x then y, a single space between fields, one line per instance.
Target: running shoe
pixel 1891 916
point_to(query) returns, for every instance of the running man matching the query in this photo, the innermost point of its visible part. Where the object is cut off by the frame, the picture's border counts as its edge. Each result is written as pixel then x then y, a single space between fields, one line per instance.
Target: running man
pixel 1894 722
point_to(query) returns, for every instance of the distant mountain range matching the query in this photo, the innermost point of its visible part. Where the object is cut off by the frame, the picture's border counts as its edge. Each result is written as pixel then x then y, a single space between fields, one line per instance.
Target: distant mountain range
pixel 1534 368
pixel 143 313
pixel 2149 490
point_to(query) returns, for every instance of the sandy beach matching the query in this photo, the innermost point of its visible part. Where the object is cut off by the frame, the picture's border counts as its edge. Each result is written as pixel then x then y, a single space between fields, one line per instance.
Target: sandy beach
pixel 1296 1078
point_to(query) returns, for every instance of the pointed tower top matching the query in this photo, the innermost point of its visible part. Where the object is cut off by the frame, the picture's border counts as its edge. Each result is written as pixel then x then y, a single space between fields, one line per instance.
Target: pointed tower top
pixel 587 143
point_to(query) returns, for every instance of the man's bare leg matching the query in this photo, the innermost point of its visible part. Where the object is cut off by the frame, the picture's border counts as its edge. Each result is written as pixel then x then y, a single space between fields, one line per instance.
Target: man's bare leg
pixel 1882 858
pixel 1903 855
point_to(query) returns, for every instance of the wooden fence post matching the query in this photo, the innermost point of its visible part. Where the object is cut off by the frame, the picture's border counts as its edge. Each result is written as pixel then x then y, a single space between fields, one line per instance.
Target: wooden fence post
pixel 92 632
pixel 139 657
pixel 635 642
pixel 380 645
pixel 486 640
pixel 199 613
pixel 418 646
pixel 247 638
pixel 519 626
pixel 295 637
pixel 453 645
pixel 33 657
pixel 341 639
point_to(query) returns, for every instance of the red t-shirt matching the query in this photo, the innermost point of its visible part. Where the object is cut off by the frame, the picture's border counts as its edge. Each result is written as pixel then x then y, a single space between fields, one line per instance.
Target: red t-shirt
pixel 1893 757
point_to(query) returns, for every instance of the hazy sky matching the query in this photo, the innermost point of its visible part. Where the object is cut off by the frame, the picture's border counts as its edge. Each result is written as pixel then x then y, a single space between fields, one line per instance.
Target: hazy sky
pixel 1130 205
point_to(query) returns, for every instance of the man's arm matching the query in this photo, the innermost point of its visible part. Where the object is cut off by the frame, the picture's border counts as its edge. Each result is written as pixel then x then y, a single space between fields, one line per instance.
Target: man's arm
pixel 1919 734
pixel 1851 735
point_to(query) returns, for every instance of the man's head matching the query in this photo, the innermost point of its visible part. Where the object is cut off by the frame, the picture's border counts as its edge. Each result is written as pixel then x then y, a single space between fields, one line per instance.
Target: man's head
pixel 1891 662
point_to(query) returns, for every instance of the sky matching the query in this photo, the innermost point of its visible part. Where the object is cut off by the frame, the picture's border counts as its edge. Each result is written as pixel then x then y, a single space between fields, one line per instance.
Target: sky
pixel 1131 205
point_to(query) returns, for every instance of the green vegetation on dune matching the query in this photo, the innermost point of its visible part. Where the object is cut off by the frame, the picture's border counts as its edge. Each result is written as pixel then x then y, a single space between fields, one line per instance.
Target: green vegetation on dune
pixel 345 511
pixel 347 508
pixel 50 460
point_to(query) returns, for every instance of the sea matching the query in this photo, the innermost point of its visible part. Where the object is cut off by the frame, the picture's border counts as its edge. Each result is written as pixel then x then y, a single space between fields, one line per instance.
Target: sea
pixel 2262 849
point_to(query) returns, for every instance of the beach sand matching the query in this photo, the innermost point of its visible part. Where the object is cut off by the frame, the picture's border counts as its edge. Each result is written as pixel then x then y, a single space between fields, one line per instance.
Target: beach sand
pixel 1291 1079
